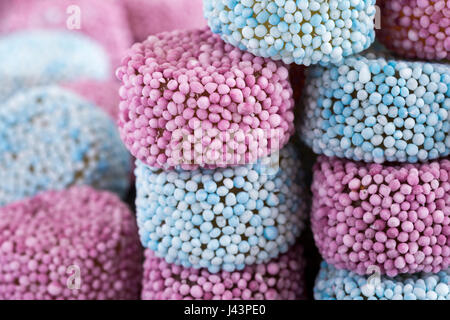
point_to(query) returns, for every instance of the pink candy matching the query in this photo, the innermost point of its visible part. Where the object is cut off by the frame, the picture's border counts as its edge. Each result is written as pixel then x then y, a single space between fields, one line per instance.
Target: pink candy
pixel 416 28
pixel 394 217
pixel 74 244
pixel 103 21
pixel 155 16
pixel 280 279
pixel 190 100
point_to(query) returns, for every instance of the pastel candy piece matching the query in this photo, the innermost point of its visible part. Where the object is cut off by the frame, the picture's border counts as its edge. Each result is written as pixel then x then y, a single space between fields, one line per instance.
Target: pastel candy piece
pixel 104 22
pixel 101 93
pixel 152 17
pixel 32 58
pixel 377 109
pixel 222 219
pixel 336 284
pixel 416 28
pixel 394 217
pixel 302 32
pixel 51 139
pixel 279 279
pixel 190 100
pixel 78 243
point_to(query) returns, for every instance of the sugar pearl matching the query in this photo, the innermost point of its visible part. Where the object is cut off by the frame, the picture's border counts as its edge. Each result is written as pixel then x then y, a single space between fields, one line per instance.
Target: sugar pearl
pixel 96 17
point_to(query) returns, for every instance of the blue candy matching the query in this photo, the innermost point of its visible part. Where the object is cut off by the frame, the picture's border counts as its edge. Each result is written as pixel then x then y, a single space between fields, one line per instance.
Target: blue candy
pixel 334 284
pixel 257 217
pixel 400 120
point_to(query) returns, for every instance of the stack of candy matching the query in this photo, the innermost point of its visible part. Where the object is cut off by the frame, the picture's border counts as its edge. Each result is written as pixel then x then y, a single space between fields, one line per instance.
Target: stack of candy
pixel 208 112
pixel 220 198
pixel 381 187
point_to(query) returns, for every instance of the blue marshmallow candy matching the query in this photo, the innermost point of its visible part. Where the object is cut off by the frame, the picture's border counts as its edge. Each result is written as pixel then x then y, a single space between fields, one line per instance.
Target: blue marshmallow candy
pixel 334 284
pixel 303 31
pixel 222 219
pixel 376 109
pixel 31 58
pixel 51 139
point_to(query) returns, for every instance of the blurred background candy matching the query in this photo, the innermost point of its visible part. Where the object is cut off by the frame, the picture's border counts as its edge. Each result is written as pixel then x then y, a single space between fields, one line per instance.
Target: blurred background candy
pixel 74 244
pixel 279 279
pixel 31 58
pixel 148 17
pixel 394 217
pixel 51 138
pixel 218 216
pixel 103 21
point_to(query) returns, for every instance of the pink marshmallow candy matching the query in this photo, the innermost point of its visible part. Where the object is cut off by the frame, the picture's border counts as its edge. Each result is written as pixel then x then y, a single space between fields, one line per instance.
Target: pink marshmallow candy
pixel 280 279
pixel 188 99
pixel 102 94
pixel 396 217
pixel 103 21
